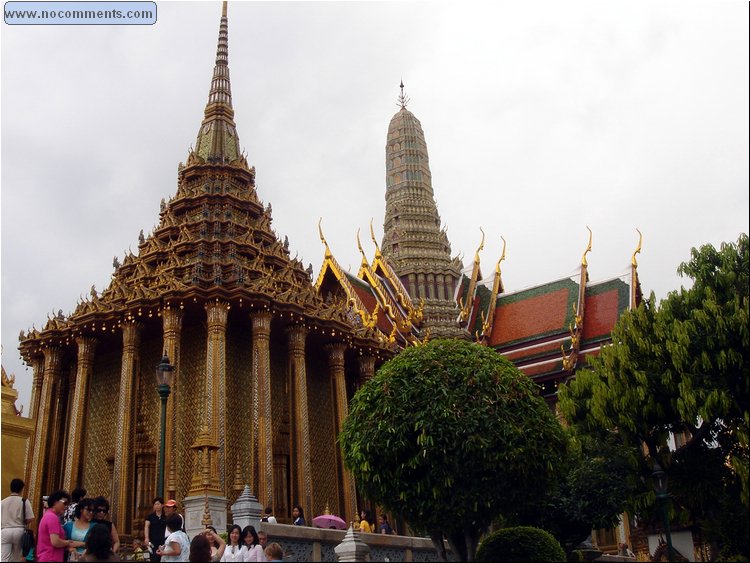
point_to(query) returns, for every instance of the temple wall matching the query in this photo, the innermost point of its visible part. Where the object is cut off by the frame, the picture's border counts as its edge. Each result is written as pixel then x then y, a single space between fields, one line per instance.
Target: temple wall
pixel 322 433
pixel 281 385
pixel 239 404
pixel 101 422
pixel 190 402
pixel 16 434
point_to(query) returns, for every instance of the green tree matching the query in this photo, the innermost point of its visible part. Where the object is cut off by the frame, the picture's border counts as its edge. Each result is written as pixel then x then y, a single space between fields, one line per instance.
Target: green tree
pixel 449 435
pixel 680 367
pixel 594 486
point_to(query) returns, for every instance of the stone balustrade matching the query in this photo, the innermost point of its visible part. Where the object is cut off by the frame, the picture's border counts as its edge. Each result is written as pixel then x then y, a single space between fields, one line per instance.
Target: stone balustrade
pixel 303 543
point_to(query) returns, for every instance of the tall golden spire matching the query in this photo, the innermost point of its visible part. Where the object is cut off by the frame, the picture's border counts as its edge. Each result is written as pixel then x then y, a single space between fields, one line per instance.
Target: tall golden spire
pixel 217 139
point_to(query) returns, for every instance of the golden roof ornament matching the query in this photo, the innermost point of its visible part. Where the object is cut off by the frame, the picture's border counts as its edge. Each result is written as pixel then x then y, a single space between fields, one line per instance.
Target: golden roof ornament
pixel 637 250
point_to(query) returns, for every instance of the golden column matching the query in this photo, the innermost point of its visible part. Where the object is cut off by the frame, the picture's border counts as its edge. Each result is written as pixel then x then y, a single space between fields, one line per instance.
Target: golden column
pixel 366 368
pixel 55 445
pixel 297 335
pixel 336 366
pixel 74 457
pixel 37 368
pixel 123 483
pixel 262 434
pixel 172 327
pixel 216 368
pixel 40 460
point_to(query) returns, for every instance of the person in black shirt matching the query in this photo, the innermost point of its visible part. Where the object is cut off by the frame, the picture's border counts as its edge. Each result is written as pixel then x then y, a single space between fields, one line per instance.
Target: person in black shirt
pixel 155 527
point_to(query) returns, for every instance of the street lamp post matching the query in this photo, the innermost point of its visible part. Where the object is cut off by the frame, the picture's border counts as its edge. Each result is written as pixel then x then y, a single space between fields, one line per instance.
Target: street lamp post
pixel 163 386
pixel 660 488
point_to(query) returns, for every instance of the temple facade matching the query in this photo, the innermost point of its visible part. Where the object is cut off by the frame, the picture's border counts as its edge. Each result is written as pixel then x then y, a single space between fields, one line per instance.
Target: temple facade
pixel 264 363
pixel 265 360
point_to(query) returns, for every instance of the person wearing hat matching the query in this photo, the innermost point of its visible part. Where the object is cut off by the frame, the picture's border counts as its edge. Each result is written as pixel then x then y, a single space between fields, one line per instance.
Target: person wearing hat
pixel 170 508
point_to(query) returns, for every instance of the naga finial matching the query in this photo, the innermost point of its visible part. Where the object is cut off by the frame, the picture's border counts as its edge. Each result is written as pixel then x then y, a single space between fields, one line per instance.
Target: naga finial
pixel 638 249
pixel 502 257
pixel 359 247
pixel 588 249
pixel 372 236
pixel 481 247
pixel 323 239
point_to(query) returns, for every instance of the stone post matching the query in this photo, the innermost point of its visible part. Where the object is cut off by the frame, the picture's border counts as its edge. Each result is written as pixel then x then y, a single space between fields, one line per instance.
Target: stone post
pixel 352 548
pixel 247 510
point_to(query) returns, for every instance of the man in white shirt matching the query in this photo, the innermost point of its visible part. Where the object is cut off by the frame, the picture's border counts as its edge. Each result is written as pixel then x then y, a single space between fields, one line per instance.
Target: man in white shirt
pixel 13 522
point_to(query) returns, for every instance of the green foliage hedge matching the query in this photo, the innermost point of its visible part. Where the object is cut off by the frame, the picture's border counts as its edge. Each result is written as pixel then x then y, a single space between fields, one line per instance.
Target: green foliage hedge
pixel 522 543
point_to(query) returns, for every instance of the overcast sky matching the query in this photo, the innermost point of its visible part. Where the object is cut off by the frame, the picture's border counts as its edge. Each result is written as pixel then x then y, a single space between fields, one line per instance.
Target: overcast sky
pixel 540 117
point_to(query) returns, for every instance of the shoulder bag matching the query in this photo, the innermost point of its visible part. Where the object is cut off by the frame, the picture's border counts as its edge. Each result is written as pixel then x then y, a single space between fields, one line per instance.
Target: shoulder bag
pixel 27 539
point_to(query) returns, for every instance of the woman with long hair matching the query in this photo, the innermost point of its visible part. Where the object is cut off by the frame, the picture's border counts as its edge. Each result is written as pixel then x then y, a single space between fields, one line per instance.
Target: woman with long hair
pixel 200 548
pixel 299 515
pixel 99 545
pixel 251 545
pixel 233 552
pixel 364 522
pixel 217 544
pixel 101 509
pixel 78 529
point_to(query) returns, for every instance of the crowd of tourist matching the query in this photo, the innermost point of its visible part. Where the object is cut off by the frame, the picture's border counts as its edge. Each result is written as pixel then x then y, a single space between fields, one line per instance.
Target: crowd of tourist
pixel 74 527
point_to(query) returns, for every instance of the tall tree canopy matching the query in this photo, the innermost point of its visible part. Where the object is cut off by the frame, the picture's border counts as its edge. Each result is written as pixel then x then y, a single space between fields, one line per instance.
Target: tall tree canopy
pixel 680 367
pixel 450 435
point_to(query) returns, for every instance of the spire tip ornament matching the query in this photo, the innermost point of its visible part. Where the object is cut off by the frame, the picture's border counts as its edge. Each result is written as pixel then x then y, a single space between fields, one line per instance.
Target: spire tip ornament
pixel 402 99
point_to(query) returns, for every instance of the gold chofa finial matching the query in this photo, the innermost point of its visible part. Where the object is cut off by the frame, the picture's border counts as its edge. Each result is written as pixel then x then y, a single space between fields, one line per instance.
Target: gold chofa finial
pixel 481 247
pixel 402 99
pixel 588 249
pixel 502 257
pixel 372 236
pixel 323 239
pixel 637 250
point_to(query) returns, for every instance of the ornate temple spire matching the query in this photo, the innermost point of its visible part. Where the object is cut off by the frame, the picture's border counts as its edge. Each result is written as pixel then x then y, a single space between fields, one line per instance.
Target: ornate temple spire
pixel 413 242
pixel 217 139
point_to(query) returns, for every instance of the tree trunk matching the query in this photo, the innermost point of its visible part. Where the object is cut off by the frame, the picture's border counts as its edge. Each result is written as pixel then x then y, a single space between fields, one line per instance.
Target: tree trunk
pixel 439 544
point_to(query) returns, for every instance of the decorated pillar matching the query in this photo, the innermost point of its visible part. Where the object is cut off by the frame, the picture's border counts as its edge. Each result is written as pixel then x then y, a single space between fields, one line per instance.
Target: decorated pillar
pixel 122 479
pixel 40 460
pixel 366 368
pixel 74 455
pixel 216 368
pixel 172 327
pixel 341 402
pixel 262 434
pixel 56 429
pixel 297 335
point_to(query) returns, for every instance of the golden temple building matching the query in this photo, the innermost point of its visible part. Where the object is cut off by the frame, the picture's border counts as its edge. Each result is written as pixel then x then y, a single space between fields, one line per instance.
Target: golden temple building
pixel 265 360
pixel 264 364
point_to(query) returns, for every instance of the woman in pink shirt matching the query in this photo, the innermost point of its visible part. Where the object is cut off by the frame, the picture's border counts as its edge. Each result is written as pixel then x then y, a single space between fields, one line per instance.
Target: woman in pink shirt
pixel 51 543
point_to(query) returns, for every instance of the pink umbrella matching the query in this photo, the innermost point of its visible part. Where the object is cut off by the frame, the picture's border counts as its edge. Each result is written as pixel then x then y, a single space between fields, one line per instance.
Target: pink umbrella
pixel 329 521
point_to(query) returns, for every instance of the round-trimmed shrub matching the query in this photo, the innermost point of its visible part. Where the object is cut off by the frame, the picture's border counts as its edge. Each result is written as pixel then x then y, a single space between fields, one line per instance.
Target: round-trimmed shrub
pixel 521 543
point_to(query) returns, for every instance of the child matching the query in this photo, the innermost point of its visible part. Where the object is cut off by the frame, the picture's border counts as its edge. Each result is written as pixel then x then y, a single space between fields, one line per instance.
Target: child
pixel 138 553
